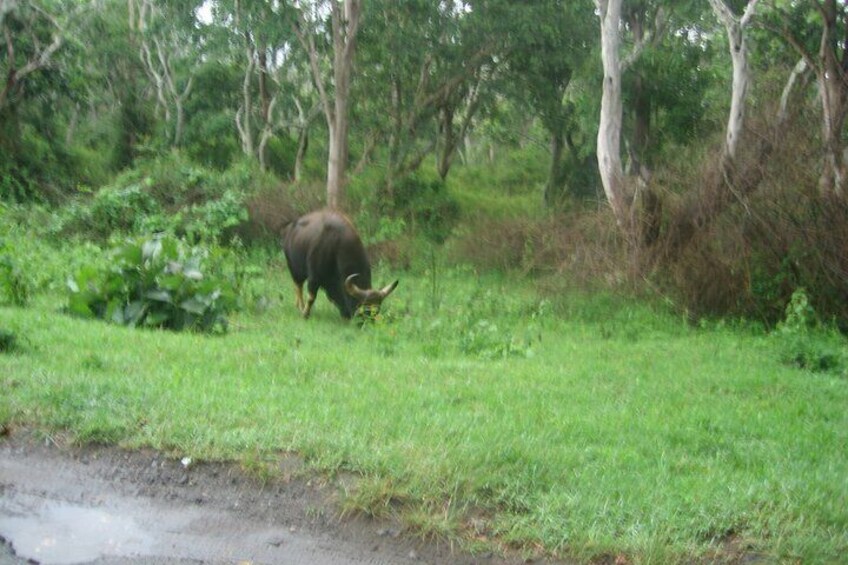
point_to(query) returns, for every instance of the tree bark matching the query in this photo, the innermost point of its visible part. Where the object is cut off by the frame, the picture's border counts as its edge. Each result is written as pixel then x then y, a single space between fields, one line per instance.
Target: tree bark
pixel 609 129
pixel 40 59
pixel 831 70
pixel 302 146
pixel 553 186
pixel 798 79
pixel 344 19
pixel 833 91
pixel 735 28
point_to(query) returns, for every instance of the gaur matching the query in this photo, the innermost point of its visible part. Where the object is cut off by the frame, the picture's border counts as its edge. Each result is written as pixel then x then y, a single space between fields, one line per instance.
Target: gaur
pixel 323 250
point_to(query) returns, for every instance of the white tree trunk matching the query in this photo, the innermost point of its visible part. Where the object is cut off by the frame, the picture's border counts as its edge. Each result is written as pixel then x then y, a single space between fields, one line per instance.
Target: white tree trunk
pixel 345 25
pixel 609 129
pixel 735 29
pixel 345 28
pixel 797 78
pixel 829 65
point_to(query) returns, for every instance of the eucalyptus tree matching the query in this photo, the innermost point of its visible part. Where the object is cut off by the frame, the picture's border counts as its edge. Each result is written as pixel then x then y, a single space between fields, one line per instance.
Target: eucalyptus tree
pixel 550 42
pixel 31 35
pixel 619 193
pixel 425 68
pixel 735 27
pixel 261 34
pixel 818 31
pixel 327 31
pixel 170 49
pixel 115 97
pixel 43 80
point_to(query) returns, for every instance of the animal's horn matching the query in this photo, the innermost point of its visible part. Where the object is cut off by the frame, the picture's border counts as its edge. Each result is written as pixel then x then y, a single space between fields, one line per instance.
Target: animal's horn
pixel 354 290
pixel 387 290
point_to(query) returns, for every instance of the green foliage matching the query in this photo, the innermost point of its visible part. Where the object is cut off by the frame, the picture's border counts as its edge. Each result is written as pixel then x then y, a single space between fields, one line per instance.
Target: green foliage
pixel 112 209
pixel 8 343
pixel 805 343
pixel 281 154
pixel 166 194
pixel 157 282
pixel 15 286
pixel 509 186
pixel 427 206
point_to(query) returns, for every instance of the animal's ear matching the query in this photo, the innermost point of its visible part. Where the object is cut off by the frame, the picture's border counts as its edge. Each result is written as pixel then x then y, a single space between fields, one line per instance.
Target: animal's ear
pixel 387 290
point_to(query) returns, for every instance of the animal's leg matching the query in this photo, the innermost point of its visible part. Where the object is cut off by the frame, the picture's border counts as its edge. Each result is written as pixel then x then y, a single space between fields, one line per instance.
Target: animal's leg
pixel 298 296
pixel 311 294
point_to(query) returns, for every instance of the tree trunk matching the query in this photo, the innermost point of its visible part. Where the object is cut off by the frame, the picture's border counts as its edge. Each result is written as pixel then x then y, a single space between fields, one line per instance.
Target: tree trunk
pixel 609 129
pixel 641 126
pixel 302 146
pixel 265 105
pixel 243 116
pixel 735 29
pixel 337 161
pixel 345 24
pixel 833 90
pixel 798 79
pixel 638 146
pixel 444 156
pixel 553 186
pixel 831 69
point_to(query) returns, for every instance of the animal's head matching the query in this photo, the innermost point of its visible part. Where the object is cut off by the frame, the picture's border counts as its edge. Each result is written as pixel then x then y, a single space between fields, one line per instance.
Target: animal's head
pixel 368 300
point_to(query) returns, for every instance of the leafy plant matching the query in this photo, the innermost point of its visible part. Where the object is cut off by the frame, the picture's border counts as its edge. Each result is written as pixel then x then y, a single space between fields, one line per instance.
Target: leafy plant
pixel 15 286
pixel 8 341
pixel 113 208
pixel 802 340
pixel 154 282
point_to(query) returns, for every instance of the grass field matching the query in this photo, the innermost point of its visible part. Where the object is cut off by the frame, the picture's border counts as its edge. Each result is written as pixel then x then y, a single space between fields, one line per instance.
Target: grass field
pixel 581 425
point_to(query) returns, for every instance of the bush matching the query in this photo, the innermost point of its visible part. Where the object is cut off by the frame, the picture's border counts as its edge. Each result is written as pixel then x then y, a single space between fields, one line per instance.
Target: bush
pixel 8 341
pixel 15 287
pixel 167 194
pixel 154 282
pixel 112 209
pixel 804 342
pixel 421 201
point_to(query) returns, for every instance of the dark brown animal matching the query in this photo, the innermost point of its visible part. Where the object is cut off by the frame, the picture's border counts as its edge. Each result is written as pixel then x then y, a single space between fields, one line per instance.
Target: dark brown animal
pixel 323 250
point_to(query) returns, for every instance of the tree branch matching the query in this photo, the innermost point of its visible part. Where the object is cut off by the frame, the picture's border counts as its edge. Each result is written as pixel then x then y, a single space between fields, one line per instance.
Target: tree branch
pixel 308 44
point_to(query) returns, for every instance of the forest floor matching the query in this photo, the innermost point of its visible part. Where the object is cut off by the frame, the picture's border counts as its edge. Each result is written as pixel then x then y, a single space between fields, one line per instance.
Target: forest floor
pixel 105 505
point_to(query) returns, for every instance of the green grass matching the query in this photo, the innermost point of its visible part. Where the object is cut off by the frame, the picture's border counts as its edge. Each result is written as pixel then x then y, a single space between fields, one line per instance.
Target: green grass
pixel 582 425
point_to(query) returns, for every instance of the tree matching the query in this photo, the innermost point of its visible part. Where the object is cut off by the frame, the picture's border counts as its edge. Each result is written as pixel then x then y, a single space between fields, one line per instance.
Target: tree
pixel 620 195
pixel 829 62
pixel 163 33
pixel 735 28
pixel 541 82
pixel 29 48
pixel 334 92
pixel 425 70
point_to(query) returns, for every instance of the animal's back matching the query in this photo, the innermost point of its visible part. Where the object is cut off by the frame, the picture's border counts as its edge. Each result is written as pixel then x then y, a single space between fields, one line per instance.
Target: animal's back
pixel 324 242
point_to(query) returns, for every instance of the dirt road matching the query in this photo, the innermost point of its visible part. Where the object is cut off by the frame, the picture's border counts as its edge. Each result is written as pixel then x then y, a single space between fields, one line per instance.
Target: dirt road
pixel 102 505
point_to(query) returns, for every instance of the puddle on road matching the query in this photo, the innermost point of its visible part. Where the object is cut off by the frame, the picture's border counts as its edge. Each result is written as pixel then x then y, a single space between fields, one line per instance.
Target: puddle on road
pixel 61 533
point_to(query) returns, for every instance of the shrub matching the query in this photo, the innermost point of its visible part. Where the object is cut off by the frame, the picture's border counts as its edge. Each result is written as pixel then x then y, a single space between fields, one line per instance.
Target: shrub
pixel 15 286
pixel 420 200
pixel 803 341
pixel 8 341
pixel 154 282
pixel 167 194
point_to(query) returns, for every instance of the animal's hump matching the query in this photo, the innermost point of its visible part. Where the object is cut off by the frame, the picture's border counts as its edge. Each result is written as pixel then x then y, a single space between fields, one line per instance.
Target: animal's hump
pixel 336 220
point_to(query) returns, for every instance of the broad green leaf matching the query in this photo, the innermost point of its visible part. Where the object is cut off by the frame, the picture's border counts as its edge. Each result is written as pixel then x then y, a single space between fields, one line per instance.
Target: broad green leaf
pixel 194 305
pixel 159 295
